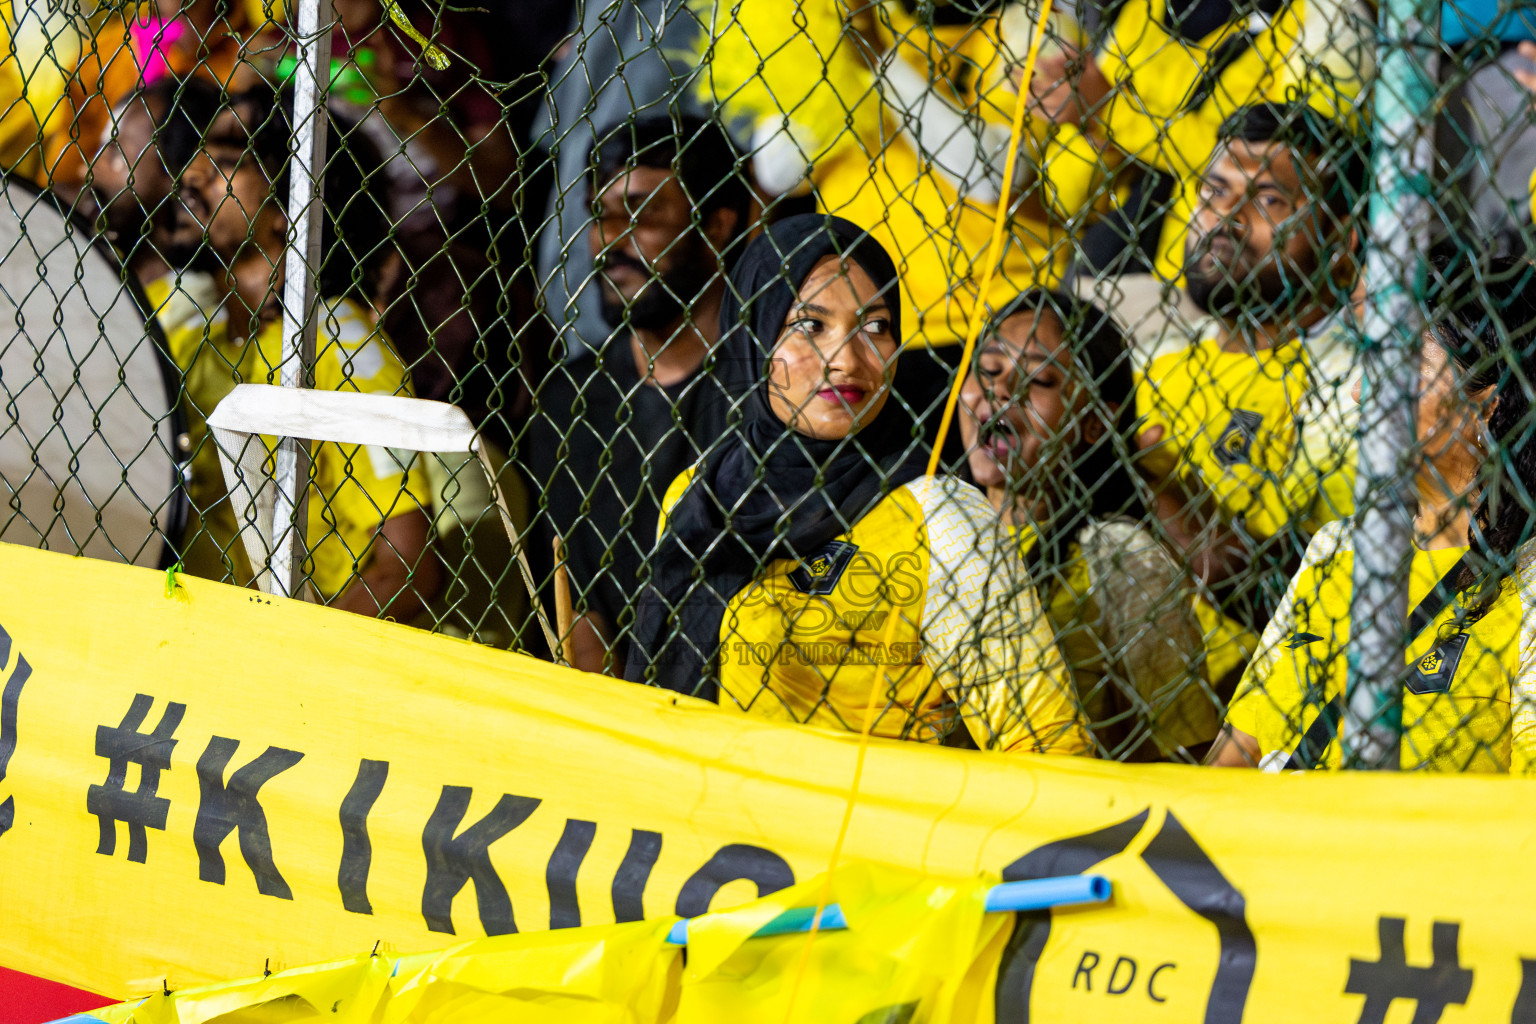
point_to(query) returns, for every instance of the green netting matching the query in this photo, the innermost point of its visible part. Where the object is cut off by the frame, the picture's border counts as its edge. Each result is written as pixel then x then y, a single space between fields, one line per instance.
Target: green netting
pixel 593 228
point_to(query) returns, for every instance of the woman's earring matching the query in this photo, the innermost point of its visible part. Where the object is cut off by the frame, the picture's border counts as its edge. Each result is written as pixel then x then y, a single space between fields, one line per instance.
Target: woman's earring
pixel 1484 440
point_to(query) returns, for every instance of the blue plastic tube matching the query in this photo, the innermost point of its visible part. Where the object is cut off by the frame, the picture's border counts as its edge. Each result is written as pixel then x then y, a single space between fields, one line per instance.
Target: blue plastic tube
pixel 1045 893
pixel 1010 897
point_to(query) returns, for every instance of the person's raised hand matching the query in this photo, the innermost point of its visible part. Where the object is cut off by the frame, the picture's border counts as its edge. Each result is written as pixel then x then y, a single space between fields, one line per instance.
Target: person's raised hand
pixel 1050 88
pixel 1527 78
pixel 1155 459
pixel 1066 87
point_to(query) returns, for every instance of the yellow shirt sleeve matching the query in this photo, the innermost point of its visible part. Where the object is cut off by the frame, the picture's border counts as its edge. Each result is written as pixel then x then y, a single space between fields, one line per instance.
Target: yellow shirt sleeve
pixel 1318 485
pixel 1532 188
pixel 1156 391
pixel 674 494
pixel 357 487
pixel 1075 173
pixel 1522 690
pixel 1264 701
pixel 988 639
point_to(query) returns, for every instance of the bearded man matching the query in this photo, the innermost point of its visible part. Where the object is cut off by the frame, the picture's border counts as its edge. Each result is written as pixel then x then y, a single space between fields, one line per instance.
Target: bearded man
pixel 612 428
pixel 150 139
pixel 1246 433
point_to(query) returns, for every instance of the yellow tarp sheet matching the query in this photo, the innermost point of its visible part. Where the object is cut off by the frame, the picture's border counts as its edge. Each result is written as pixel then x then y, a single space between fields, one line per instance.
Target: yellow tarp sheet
pixel 199 786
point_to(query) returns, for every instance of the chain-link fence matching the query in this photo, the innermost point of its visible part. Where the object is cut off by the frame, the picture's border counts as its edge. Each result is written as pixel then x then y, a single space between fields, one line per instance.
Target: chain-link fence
pixel 970 373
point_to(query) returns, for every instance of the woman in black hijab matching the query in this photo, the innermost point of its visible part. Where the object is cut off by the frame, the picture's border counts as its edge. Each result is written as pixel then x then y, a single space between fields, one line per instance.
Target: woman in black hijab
pixel 786 550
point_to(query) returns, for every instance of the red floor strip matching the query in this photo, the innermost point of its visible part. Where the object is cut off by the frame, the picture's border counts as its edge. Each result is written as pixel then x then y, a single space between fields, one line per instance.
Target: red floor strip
pixel 28 1000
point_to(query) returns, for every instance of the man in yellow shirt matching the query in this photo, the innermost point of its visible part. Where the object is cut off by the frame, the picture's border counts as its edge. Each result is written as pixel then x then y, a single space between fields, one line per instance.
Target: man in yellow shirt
pixel 1139 113
pixel 1247 434
pixel 1466 706
pixel 367 529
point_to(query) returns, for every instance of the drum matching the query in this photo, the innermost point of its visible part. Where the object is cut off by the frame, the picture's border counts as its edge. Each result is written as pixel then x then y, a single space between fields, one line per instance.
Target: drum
pixel 89 435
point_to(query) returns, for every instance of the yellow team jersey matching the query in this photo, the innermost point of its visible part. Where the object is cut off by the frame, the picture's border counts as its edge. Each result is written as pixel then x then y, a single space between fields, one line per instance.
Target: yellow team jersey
pixel 1258 432
pixel 1125 621
pixel 1315 47
pixel 182 300
pixel 355 488
pixel 1469 704
pixel 938 235
pixel 41 48
pixel 803 642
pixel 802 84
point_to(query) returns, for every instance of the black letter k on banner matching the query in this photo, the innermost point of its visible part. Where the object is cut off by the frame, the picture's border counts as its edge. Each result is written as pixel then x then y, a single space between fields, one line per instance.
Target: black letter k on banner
pixel 453 860
pixel 226 807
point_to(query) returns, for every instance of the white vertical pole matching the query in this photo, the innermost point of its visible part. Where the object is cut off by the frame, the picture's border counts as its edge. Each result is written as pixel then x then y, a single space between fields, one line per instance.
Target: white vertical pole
pixel 301 293
pixel 1401 217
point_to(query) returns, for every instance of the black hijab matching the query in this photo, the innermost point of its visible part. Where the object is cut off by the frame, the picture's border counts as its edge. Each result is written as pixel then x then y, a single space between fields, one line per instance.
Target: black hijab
pixel 765 491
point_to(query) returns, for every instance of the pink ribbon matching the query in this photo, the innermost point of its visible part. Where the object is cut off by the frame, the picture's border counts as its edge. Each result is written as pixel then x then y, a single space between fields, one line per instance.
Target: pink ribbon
pixel 151 40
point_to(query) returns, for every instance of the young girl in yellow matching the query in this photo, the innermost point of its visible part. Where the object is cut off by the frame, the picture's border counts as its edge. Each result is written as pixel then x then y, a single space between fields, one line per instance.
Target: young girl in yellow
pixel 1048 425
pixel 786 552
pixel 1469 700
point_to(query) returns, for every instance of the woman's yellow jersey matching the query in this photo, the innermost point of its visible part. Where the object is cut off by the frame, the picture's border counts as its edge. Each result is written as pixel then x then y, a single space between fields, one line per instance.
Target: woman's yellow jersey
pixel 356 487
pixel 1254 431
pixel 1469 704
pixel 1124 617
pixel 803 642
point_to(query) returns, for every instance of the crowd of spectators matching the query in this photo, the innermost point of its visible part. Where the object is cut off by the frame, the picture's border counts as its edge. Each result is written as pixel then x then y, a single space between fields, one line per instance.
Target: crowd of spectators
pixel 705 308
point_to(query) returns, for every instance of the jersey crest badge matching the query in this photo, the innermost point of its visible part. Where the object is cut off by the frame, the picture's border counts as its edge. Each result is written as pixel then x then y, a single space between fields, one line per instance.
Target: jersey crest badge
pixel 1433 672
pixel 819 573
pixel 1235 445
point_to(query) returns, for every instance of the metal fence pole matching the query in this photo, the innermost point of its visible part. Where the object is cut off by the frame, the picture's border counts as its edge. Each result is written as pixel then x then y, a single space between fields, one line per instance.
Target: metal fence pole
pixel 301 270
pixel 1400 221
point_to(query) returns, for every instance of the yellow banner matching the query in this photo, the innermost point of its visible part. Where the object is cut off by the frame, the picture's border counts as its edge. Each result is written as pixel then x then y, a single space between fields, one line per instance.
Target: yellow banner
pixel 203 785
pixel 915 949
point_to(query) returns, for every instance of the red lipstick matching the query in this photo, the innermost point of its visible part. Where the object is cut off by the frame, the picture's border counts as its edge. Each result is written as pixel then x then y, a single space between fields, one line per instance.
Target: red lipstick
pixel 849 393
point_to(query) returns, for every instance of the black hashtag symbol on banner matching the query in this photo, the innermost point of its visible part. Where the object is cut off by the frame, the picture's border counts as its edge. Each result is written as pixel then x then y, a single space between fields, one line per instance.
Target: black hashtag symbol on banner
pixel 1432 988
pixel 151 751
